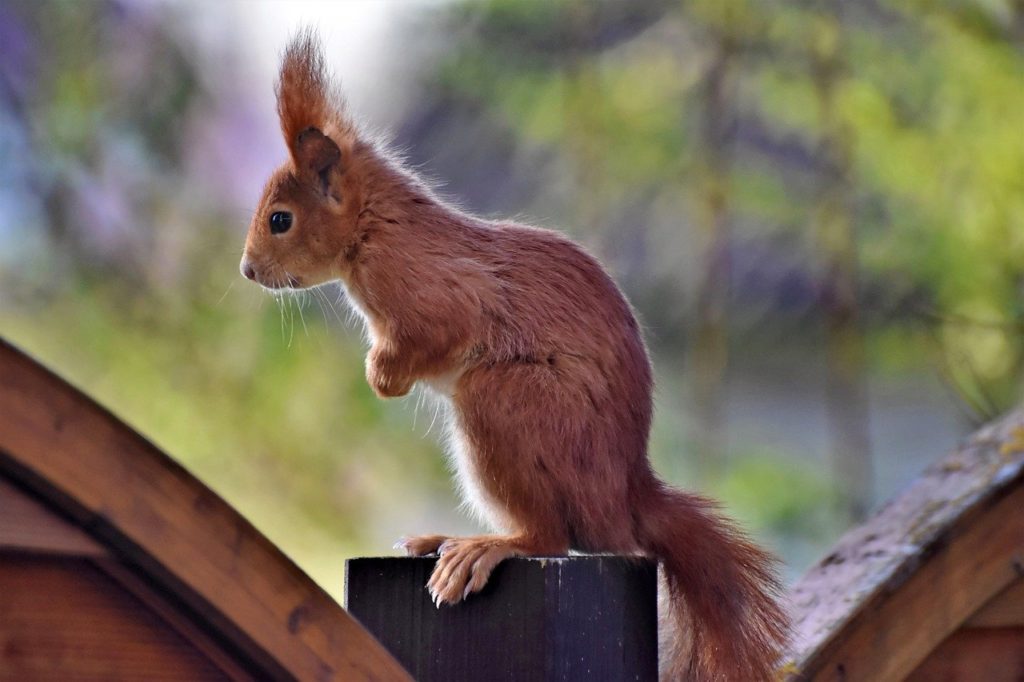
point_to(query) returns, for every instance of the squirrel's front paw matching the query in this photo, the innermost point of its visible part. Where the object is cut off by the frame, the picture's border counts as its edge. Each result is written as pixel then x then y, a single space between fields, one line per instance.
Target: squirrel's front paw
pixel 389 389
pixel 383 378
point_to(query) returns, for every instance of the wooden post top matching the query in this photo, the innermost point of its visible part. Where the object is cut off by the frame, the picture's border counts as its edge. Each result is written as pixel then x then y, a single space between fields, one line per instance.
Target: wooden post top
pixel 564 618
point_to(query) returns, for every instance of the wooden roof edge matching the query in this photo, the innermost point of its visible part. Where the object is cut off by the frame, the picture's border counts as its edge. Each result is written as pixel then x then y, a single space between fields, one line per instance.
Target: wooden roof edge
pixel 140 502
pixel 880 554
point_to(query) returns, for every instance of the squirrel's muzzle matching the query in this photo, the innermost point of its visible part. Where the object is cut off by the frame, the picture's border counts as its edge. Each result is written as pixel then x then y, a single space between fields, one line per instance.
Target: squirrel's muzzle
pixel 245 267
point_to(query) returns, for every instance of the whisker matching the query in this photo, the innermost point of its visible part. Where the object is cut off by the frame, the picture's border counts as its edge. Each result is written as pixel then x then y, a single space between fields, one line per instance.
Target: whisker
pixel 437 408
pixel 225 294
pixel 291 320
pixel 302 318
pixel 327 301
pixel 350 314
pixel 280 310
pixel 318 297
pixel 416 408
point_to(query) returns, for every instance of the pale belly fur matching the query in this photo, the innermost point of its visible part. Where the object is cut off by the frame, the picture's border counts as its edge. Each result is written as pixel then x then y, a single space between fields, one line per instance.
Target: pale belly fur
pixel 475 497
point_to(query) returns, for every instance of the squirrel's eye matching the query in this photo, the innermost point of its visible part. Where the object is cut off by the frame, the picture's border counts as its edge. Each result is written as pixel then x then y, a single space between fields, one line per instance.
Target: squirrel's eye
pixel 280 222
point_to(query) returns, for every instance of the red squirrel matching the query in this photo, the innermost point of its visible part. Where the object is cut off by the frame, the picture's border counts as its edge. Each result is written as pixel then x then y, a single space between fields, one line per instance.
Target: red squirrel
pixel 541 360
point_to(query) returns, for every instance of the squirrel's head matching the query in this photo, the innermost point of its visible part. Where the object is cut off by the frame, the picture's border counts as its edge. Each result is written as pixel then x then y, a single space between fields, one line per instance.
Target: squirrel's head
pixel 308 213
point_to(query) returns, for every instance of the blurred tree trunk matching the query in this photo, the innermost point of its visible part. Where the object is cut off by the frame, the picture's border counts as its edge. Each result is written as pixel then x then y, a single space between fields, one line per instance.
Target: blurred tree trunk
pixel 1017 22
pixel 710 353
pixel 846 395
pixel 582 104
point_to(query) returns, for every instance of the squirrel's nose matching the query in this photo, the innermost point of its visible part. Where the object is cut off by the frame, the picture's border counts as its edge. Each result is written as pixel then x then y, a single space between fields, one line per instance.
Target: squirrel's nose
pixel 247 270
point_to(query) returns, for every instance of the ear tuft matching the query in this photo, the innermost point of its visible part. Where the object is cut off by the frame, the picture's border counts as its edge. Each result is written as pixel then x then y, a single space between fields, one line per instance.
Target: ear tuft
pixel 305 97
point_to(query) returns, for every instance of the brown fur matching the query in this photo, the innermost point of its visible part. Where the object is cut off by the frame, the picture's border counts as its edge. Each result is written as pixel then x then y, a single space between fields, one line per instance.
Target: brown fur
pixel 542 362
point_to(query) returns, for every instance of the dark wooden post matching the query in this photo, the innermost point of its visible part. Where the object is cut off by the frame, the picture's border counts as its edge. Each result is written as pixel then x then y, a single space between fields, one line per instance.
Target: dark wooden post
pixel 538 619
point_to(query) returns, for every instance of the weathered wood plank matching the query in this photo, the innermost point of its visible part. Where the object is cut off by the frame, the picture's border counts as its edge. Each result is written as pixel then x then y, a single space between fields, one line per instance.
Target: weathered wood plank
pixel 897 586
pixel 198 634
pixel 61 619
pixel 976 655
pixel 538 619
pixel 26 524
pixel 1006 609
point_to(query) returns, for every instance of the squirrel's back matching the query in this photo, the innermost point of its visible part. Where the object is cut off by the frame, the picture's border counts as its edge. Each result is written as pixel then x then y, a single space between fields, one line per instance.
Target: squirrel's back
pixel 550 292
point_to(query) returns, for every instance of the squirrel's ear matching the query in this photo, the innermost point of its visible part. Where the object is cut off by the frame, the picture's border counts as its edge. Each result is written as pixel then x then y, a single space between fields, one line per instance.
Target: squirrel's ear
pixel 306 97
pixel 318 158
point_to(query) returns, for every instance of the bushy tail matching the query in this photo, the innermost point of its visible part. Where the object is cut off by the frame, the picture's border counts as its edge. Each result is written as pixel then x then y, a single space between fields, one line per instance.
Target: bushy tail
pixel 722 588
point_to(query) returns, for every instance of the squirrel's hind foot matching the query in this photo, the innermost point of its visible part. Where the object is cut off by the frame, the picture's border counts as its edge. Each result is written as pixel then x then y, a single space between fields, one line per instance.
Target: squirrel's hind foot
pixel 465 564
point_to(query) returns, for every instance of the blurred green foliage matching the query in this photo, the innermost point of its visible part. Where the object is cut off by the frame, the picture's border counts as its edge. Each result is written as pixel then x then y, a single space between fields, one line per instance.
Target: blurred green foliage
pixel 630 124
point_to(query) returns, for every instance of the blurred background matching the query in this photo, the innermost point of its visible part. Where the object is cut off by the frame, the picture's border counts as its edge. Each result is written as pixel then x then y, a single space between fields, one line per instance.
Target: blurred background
pixel 816 207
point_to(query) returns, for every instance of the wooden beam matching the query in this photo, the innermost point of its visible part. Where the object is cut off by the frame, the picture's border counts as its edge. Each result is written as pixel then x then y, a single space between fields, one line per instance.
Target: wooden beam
pixel 209 643
pixel 1004 610
pixel 898 629
pixel 62 619
pixel 26 524
pixel 155 516
pixel 976 655
pixel 896 587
